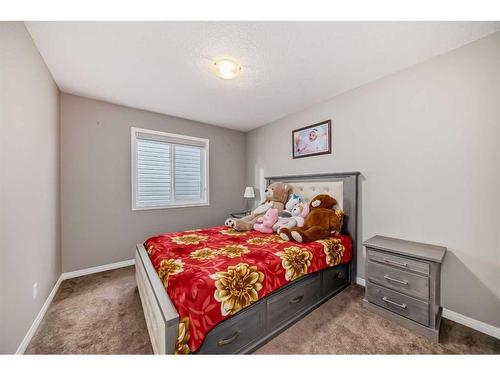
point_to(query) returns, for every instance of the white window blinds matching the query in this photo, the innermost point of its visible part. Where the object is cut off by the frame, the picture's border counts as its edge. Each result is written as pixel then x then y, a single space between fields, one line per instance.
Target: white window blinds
pixel 168 170
pixel 154 173
pixel 188 172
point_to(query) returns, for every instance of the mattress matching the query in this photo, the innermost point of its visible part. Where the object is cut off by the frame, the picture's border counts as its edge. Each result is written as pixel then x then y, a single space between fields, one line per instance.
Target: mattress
pixel 213 273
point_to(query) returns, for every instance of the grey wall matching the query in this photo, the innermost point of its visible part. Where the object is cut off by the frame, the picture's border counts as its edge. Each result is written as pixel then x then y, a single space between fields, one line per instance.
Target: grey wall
pixel 98 225
pixel 29 183
pixel 427 143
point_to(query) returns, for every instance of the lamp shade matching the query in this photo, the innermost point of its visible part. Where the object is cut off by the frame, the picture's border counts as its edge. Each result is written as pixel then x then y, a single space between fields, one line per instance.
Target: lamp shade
pixel 249 193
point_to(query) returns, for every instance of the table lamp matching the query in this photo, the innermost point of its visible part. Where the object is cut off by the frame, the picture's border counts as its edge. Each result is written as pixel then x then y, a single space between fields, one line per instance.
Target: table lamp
pixel 249 194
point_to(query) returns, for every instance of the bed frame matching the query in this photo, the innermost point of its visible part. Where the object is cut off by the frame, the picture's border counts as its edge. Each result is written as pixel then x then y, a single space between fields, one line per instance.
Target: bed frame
pixel 257 324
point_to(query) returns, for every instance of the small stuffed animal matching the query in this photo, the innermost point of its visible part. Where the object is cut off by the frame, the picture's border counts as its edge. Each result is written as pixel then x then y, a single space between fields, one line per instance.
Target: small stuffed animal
pixel 292 201
pixel 285 216
pixel 299 212
pixel 276 196
pixel 321 221
pixel 265 223
pixel 296 219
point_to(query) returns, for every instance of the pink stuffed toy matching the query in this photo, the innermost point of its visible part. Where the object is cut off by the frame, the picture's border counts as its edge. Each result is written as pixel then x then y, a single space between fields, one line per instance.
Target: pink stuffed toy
pixel 265 223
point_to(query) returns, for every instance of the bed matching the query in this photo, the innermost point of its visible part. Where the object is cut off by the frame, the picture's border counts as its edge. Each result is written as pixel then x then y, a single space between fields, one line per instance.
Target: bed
pixel 183 278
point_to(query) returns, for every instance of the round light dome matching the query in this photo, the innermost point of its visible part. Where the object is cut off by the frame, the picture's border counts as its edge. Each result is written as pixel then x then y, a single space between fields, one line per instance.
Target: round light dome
pixel 226 68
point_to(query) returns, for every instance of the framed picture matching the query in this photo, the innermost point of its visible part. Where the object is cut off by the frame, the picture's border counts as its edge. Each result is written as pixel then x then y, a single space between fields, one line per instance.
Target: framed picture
pixel 312 140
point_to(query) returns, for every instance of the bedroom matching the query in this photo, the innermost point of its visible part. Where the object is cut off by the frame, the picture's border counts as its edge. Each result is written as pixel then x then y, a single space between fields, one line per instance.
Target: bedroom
pixel 139 138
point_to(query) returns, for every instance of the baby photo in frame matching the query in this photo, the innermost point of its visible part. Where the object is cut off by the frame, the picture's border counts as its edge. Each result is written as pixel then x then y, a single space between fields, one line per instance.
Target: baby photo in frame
pixel 312 140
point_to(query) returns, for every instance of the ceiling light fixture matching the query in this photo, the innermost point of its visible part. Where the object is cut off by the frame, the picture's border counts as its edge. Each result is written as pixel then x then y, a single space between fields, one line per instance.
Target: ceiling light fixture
pixel 226 68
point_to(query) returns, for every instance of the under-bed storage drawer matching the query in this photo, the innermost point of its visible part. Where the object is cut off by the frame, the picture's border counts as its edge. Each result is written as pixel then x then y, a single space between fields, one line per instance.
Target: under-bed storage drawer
pixel 287 303
pixel 334 279
pixel 233 335
pixel 401 304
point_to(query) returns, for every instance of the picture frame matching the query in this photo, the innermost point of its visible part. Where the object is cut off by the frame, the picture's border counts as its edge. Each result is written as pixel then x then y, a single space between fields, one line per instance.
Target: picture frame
pixel 312 140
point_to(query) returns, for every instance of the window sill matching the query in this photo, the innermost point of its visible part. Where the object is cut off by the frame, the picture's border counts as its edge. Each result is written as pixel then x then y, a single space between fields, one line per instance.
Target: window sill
pixel 175 205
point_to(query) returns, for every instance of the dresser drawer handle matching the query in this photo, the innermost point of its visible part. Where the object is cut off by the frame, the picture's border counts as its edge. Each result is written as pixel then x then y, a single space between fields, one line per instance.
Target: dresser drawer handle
pixel 404 282
pixel 295 300
pixel 400 305
pixel 229 340
pixel 396 263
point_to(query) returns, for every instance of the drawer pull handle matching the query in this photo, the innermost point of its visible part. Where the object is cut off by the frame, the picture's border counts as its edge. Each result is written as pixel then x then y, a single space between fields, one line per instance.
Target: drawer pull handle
pixel 400 305
pixel 396 263
pixel 340 275
pixel 404 282
pixel 295 300
pixel 229 340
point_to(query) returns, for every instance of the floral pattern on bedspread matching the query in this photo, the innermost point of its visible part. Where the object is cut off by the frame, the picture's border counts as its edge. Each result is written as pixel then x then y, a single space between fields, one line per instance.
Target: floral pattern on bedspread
pixel 211 274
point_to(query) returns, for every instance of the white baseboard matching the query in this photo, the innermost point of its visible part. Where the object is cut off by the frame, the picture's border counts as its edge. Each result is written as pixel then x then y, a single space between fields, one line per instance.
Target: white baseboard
pixel 459 318
pixel 64 276
pixel 91 270
pixel 34 326
pixel 472 323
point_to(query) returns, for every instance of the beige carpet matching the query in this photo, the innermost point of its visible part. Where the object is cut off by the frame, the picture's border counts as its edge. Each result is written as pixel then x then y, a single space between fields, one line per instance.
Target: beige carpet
pixel 102 314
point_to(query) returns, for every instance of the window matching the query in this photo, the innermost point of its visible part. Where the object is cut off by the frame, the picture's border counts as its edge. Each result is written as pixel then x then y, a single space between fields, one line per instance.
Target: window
pixel 168 170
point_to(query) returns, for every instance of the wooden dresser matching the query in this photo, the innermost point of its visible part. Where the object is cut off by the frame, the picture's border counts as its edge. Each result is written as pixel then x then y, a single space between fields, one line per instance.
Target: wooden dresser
pixel 403 283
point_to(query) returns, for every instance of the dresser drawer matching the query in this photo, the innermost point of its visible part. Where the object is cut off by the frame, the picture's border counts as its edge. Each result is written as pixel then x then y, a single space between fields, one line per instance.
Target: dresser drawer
pixel 333 279
pixel 233 335
pixel 398 261
pixel 401 304
pixel 287 303
pixel 397 279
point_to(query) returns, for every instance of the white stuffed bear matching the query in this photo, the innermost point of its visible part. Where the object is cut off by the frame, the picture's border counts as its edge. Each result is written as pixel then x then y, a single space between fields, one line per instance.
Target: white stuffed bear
pixel 286 215
pixel 298 214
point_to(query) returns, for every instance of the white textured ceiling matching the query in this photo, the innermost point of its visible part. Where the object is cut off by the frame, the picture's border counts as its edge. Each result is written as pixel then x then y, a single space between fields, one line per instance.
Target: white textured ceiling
pixel 287 66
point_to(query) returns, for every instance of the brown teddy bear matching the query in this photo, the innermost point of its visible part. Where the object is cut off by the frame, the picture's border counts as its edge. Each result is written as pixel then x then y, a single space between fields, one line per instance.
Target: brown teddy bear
pixel 276 197
pixel 321 221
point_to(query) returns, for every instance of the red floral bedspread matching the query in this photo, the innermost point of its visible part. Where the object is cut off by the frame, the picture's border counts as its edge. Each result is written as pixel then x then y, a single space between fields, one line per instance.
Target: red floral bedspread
pixel 211 274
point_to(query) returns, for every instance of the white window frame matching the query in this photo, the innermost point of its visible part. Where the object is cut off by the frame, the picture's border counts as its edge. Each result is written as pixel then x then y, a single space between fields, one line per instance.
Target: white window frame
pixel 175 204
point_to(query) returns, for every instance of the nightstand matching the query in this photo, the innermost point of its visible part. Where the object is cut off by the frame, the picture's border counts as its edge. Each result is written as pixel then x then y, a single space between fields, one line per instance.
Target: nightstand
pixel 239 215
pixel 403 283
